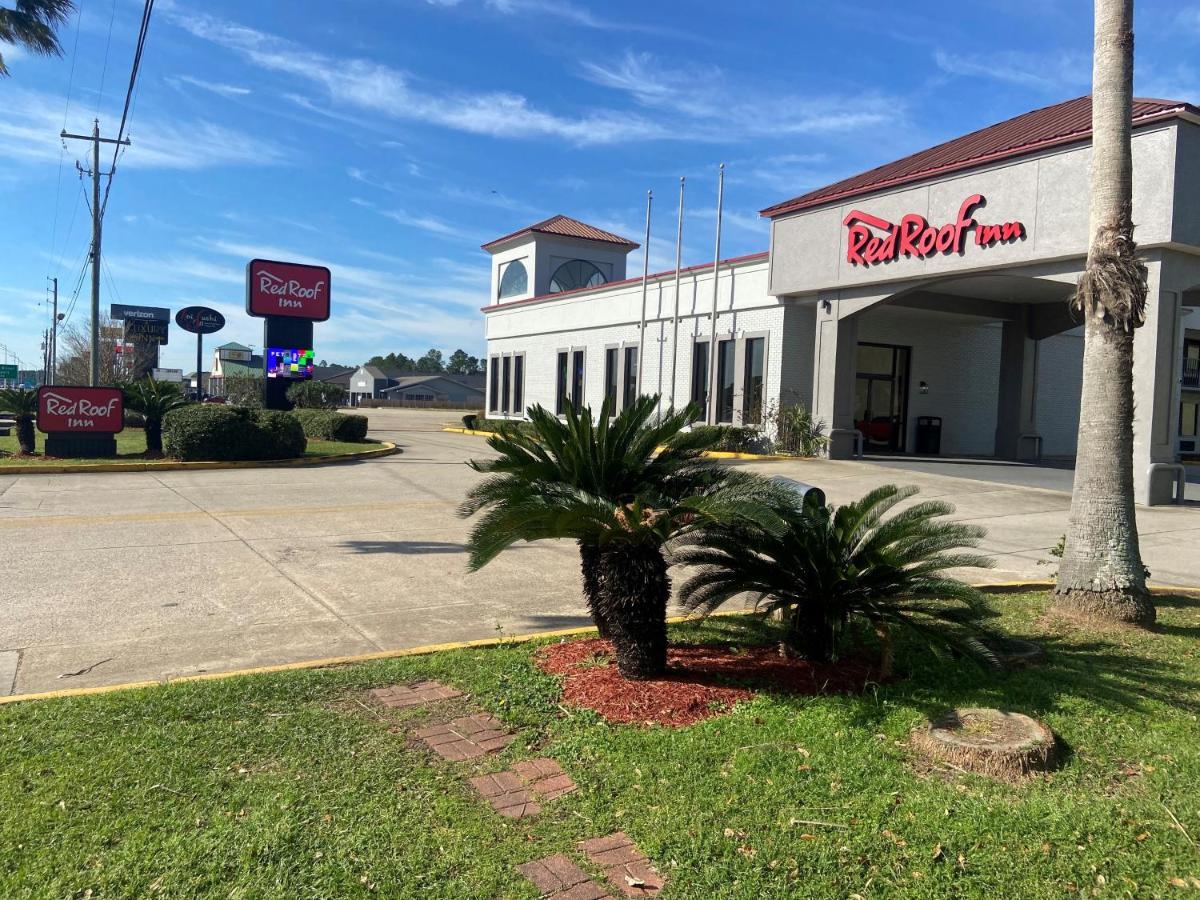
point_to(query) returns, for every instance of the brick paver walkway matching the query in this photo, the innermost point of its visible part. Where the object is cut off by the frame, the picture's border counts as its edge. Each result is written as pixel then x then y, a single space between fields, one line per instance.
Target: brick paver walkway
pixel 401 696
pixel 506 794
pixel 513 793
pixel 559 878
pixel 468 737
pixel 624 864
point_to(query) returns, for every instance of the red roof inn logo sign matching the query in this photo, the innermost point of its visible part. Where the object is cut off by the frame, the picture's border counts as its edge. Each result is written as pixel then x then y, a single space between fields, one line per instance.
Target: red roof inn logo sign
pixel 287 289
pixel 872 240
pixel 92 410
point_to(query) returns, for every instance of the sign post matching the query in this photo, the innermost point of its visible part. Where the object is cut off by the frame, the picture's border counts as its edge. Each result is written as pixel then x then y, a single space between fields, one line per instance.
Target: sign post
pixel 289 297
pixel 200 320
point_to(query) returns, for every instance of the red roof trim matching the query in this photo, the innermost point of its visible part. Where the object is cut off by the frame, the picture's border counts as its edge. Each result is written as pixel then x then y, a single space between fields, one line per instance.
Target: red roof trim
pixel 732 261
pixel 1036 121
pixel 565 226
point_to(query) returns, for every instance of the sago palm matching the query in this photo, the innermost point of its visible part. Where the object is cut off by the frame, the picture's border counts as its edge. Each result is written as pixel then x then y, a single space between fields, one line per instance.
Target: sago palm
pixel 831 566
pixel 31 23
pixel 153 399
pixel 621 487
pixel 22 405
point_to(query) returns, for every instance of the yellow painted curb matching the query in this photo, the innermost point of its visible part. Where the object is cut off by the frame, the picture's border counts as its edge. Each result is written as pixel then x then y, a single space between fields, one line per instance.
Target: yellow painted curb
pixel 711 454
pixel 427 649
pixel 386 449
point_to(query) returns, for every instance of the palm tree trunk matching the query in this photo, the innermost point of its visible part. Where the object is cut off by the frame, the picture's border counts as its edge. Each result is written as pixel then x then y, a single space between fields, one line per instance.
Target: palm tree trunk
pixel 634 594
pixel 26 440
pixel 808 635
pixel 589 565
pixel 154 437
pixel 1101 577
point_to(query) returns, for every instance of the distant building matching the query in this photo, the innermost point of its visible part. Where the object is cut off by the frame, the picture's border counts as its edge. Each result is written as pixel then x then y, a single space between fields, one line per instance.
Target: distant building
pixel 373 383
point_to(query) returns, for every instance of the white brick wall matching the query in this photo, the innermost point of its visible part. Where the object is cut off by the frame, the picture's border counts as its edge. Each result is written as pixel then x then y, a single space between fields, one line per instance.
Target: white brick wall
pixel 597 319
pixel 961 365
pixel 1060 383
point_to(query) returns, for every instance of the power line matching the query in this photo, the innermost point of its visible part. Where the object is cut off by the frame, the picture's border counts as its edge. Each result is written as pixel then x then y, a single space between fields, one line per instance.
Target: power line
pixel 63 151
pixel 129 94
pixel 104 70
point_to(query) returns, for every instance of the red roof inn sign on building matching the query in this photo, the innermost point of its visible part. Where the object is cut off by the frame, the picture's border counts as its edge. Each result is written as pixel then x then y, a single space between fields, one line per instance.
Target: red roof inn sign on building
pixel 874 240
pixel 287 289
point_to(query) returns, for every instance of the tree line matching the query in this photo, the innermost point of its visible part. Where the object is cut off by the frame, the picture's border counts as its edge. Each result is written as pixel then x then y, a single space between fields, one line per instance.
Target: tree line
pixel 433 362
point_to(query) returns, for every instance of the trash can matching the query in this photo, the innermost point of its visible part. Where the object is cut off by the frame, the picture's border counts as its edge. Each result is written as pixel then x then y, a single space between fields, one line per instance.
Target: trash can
pixel 929 435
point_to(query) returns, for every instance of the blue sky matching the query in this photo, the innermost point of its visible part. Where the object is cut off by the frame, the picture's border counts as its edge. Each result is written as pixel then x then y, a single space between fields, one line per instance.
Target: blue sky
pixel 389 138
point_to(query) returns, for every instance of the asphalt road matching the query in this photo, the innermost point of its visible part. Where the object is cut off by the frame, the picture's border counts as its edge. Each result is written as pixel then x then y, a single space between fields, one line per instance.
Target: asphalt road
pixel 110 578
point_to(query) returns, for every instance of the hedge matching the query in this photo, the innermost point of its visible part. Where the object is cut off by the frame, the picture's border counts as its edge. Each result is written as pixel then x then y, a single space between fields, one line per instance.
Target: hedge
pixel 218 432
pixel 325 425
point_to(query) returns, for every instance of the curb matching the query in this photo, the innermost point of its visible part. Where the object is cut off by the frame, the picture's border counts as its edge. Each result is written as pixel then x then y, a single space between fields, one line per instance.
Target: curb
pixel 711 454
pixel 1000 587
pixel 386 449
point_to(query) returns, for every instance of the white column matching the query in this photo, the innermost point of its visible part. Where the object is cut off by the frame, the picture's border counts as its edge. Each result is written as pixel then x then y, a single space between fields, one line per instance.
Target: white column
pixel 834 370
pixel 1156 366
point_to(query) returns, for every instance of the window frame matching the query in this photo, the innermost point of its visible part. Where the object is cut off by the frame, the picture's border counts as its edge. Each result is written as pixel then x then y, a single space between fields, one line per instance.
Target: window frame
pixel 604 279
pixel 504 269
pixel 700 385
pixel 494 383
pixel 629 365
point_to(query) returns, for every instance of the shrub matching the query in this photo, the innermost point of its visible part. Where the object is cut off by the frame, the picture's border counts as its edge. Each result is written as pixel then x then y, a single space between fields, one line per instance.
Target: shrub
pixel 796 431
pixel 732 438
pixel 281 436
pixel 326 425
pixel 245 390
pixel 214 432
pixel 470 419
pixel 134 419
pixel 315 395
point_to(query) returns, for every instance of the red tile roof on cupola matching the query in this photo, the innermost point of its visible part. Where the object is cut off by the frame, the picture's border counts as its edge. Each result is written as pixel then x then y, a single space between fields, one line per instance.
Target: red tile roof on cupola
pixel 565 226
pixel 1052 126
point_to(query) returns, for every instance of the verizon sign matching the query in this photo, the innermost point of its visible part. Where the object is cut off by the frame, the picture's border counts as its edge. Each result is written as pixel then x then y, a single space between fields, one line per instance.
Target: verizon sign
pixel 872 240
pixel 287 289
pixel 95 410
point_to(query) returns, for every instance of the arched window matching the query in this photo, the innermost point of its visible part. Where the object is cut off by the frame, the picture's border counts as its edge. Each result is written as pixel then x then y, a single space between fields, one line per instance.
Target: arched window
pixel 578 273
pixel 515 280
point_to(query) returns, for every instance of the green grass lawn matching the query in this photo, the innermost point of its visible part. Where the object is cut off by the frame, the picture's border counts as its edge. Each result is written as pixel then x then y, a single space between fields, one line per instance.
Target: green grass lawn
pixel 131 444
pixel 286 785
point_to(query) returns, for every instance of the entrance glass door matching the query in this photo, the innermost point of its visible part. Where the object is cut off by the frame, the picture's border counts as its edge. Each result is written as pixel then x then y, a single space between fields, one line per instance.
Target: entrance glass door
pixel 881 396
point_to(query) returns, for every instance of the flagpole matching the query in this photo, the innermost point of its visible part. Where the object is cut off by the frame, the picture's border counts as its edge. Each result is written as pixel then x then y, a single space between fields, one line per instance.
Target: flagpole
pixel 645 276
pixel 711 414
pixel 675 314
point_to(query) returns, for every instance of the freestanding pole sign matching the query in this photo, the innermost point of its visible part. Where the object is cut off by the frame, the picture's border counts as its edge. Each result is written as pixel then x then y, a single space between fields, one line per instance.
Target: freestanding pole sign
pixel 146 327
pixel 289 297
pixel 199 320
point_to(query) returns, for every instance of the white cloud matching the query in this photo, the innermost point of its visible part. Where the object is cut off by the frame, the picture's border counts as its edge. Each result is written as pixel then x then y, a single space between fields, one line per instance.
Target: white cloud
pixel 1057 72
pixel 30 122
pixel 1189 19
pixel 569 12
pixel 709 106
pixel 374 87
pixel 216 87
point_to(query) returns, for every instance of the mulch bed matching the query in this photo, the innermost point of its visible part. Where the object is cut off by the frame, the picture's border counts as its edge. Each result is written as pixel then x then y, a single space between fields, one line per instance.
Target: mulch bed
pixel 701 681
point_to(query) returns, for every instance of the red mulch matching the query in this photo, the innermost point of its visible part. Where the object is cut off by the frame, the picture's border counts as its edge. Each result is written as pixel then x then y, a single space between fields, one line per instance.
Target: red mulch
pixel 701 681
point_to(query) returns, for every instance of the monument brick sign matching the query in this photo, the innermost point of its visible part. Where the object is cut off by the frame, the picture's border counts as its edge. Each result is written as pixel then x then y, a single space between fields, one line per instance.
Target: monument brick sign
pixel 287 289
pixel 80 410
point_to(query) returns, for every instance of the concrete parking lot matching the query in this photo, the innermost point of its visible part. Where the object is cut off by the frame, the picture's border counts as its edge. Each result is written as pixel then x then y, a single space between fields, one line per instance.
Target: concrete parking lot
pixel 110 578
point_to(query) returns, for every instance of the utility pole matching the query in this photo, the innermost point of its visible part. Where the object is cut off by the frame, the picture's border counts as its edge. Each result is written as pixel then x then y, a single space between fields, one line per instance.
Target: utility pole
pixel 52 350
pixel 94 137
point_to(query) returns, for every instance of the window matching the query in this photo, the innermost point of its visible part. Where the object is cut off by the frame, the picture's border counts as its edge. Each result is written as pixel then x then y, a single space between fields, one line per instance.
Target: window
pixel 518 389
pixel 494 395
pixel 631 385
pixel 562 389
pixel 610 379
pixel 506 384
pixel 752 382
pixel 514 279
pixel 700 377
pixel 577 380
pixel 726 354
pixel 1188 418
pixel 578 273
